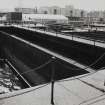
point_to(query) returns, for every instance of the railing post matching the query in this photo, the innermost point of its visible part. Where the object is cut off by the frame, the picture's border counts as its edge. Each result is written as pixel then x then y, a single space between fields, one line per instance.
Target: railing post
pixel 72 36
pixel 94 42
pixel 52 93
pixel 52 81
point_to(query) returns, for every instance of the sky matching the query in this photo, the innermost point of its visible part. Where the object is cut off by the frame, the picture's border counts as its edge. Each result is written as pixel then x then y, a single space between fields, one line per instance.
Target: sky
pixel 79 4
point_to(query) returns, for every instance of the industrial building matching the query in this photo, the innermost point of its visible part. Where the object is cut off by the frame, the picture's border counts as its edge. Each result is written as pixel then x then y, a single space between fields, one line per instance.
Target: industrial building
pixel 44 18
pixel 26 10
pixel 14 16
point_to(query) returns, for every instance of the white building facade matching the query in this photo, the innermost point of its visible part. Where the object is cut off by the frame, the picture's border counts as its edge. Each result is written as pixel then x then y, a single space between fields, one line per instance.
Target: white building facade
pixel 44 18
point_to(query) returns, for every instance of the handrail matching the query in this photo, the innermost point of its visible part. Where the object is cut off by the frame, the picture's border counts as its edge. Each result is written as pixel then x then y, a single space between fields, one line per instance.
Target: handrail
pixel 9 63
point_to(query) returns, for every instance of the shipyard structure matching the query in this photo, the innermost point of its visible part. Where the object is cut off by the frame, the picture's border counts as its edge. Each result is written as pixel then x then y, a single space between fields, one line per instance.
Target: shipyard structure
pixel 52 61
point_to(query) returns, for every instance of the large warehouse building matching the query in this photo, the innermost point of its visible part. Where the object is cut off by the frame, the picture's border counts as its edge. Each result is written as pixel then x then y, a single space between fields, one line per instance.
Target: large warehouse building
pixel 44 18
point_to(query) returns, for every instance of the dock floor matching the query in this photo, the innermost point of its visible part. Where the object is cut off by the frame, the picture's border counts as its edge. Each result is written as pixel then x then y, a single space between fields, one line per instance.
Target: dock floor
pixel 87 89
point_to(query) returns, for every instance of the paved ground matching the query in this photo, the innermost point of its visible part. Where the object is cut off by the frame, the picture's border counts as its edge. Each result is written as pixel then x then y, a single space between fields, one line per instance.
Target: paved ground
pixel 83 90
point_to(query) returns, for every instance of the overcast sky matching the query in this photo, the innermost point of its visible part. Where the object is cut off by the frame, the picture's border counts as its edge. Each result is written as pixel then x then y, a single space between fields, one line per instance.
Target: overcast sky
pixel 81 4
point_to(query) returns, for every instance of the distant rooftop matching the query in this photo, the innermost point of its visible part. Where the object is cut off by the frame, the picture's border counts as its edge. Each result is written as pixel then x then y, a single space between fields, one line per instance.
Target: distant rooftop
pixel 44 16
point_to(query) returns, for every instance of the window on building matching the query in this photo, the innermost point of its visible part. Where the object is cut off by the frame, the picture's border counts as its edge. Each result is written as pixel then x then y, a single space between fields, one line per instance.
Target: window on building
pixel 71 13
pixel 82 13
pixel 45 12
pixel 55 11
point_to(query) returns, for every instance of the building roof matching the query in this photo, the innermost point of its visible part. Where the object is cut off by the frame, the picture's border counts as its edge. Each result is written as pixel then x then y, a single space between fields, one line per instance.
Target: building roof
pixel 43 17
pixel 82 90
